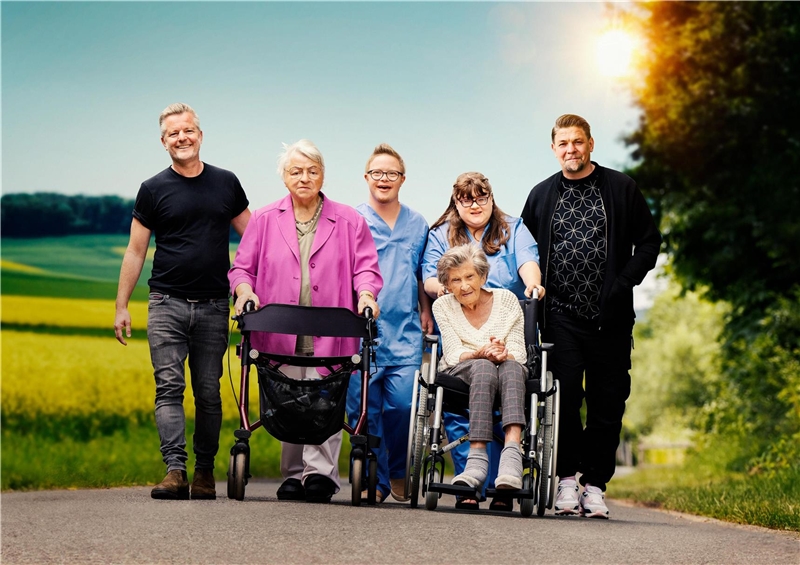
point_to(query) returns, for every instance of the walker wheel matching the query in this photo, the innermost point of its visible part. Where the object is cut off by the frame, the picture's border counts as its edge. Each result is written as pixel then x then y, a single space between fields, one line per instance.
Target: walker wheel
pixel 237 476
pixel 372 481
pixel 356 475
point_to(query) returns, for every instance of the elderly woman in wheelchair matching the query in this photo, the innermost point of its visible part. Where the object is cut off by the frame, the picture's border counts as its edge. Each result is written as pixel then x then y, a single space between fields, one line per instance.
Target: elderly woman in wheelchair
pixel 483 344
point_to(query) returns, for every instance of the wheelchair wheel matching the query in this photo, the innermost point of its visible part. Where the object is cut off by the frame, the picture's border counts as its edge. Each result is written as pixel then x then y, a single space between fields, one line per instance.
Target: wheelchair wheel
pixel 420 440
pixel 556 425
pixel 412 427
pixel 372 481
pixel 548 468
pixel 432 498
pixel 526 504
pixel 237 470
pixel 356 475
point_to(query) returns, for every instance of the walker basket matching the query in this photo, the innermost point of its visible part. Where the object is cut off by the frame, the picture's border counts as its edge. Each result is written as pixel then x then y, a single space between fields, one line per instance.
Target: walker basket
pixel 302 412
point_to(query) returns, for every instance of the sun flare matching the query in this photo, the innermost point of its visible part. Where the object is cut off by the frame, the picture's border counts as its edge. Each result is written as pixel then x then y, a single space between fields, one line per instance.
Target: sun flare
pixel 615 50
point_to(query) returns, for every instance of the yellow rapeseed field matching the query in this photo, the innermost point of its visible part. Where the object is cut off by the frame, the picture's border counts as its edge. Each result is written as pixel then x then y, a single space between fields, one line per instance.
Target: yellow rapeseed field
pixel 51 375
pixel 69 312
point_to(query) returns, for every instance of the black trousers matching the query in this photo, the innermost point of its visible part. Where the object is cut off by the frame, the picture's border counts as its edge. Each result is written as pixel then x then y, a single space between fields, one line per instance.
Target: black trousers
pixel 594 364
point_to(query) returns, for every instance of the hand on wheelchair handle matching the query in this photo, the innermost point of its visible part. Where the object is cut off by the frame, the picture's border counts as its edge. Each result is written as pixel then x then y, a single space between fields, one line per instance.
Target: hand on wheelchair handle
pixel 535 292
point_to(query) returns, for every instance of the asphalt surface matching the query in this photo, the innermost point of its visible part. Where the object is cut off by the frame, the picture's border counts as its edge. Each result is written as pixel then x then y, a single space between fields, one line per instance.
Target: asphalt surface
pixel 124 525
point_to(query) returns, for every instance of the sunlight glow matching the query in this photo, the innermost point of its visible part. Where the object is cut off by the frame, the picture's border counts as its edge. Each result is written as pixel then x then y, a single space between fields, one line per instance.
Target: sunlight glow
pixel 615 50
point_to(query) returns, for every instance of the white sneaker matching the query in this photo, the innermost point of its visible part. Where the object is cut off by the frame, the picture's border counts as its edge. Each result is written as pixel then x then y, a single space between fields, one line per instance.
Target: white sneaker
pixel 567 503
pixel 593 503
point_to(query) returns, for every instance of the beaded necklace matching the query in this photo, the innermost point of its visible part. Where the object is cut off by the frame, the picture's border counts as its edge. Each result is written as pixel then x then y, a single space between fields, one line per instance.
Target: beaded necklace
pixel 301 226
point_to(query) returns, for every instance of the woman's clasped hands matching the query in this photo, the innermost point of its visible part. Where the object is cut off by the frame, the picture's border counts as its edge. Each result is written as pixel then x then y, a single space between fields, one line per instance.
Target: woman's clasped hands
pixel 495 351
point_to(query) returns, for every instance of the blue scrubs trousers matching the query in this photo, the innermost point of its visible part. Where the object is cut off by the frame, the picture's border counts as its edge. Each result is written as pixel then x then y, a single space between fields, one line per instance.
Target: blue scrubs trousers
pixel 388 415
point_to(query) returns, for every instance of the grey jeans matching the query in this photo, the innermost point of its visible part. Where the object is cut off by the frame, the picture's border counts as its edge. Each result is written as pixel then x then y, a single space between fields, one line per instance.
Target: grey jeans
pixel 177 328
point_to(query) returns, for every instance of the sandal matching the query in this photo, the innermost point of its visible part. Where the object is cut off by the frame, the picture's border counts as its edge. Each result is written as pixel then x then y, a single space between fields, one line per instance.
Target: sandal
pixel 465 503
pixel 379 496
pixel 502 504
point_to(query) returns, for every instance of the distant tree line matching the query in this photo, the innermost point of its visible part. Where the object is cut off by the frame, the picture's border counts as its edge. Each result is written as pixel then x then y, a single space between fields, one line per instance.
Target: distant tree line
pixel 46 214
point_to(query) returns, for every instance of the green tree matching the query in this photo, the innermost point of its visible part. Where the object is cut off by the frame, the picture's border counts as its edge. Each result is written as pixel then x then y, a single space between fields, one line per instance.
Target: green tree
pixel 677 363
pixel 718 149
pixel 719 143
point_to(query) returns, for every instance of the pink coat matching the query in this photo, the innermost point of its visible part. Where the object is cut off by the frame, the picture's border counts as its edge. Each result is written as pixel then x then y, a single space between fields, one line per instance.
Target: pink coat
pixel 342 263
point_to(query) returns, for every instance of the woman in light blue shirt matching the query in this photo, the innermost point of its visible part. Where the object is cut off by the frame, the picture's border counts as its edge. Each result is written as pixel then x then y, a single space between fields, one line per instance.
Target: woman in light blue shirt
pixel 473 217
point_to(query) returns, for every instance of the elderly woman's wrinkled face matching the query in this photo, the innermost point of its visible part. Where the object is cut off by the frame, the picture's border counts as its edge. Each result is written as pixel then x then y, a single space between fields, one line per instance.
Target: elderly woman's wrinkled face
pixel 303 177
pixel 475 211
pixel 465 284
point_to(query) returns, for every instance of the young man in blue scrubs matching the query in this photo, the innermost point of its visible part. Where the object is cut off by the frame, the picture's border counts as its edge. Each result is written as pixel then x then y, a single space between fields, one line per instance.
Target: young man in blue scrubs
pixel 400 235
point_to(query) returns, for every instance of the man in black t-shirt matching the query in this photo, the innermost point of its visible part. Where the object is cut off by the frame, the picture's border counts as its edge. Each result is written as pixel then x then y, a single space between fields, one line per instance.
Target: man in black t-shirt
pixel 190 207
pixel 597 240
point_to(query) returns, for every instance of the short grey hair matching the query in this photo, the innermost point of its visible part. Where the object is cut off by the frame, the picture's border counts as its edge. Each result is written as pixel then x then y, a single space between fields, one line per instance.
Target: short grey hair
pixel 175 109
pixel 306 148
pixel 457 256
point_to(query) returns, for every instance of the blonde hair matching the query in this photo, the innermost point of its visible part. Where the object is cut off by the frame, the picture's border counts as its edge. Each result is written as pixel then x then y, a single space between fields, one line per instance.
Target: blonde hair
pixel 385 149
pixel 174 109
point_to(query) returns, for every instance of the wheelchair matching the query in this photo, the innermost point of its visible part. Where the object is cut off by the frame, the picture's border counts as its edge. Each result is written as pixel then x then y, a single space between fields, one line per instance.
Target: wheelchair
pixel 435 393
pixel 307 411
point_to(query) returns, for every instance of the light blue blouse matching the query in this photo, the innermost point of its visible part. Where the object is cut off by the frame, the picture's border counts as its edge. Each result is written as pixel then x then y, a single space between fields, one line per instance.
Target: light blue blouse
pixel 503 265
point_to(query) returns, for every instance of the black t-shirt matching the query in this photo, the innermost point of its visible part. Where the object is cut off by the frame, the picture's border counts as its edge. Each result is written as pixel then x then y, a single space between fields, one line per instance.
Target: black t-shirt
pixel 579 248
pixel 191 220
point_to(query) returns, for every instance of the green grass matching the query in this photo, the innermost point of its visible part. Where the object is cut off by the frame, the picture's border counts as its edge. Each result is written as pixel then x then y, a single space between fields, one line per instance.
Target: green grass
pixel 71 330
pixel 58 455
pixel 772 501
pixel 27 284
pixel 124 457
pixel 87 256
pixel 233 339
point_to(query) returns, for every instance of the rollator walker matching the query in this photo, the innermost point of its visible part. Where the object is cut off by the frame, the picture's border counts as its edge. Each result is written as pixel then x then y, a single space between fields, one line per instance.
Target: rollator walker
pixel 305 411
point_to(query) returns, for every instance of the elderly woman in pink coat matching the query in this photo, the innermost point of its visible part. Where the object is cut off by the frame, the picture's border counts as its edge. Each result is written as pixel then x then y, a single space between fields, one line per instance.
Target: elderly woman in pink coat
pixel 308 250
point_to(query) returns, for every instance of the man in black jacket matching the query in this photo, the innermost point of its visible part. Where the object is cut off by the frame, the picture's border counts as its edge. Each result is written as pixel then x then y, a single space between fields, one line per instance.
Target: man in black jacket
pixel 597 240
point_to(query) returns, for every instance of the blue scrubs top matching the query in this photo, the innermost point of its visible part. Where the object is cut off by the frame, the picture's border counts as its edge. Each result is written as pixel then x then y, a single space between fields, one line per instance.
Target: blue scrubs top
pixel 503 265
pixel 400 253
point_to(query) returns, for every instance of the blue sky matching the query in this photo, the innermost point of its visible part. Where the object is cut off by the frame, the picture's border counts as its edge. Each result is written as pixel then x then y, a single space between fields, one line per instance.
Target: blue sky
pixel 453 86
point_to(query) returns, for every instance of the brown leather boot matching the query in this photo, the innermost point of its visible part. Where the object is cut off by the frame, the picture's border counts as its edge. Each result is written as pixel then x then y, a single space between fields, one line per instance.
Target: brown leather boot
pixel 173 487
pixel 204 485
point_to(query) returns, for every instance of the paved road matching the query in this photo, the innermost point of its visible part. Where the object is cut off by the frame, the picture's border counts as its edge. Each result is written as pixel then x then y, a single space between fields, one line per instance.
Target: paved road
pixel 125 525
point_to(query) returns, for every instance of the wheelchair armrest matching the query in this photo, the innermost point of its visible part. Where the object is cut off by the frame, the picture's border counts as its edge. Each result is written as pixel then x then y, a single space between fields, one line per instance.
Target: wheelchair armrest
pixel 430 339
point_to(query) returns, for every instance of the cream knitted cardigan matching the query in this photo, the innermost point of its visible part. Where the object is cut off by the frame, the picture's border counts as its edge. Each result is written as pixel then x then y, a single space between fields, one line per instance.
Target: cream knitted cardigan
pixel 505 322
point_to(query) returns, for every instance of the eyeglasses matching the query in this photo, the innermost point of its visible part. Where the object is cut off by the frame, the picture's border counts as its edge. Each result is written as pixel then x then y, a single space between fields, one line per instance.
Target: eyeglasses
pixel 377 174
pixel 468 202
pixel 297 173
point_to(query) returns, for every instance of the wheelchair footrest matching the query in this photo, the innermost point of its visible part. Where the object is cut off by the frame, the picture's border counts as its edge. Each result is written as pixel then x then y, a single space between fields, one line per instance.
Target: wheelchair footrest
pixel 457 490
pixel 508 493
